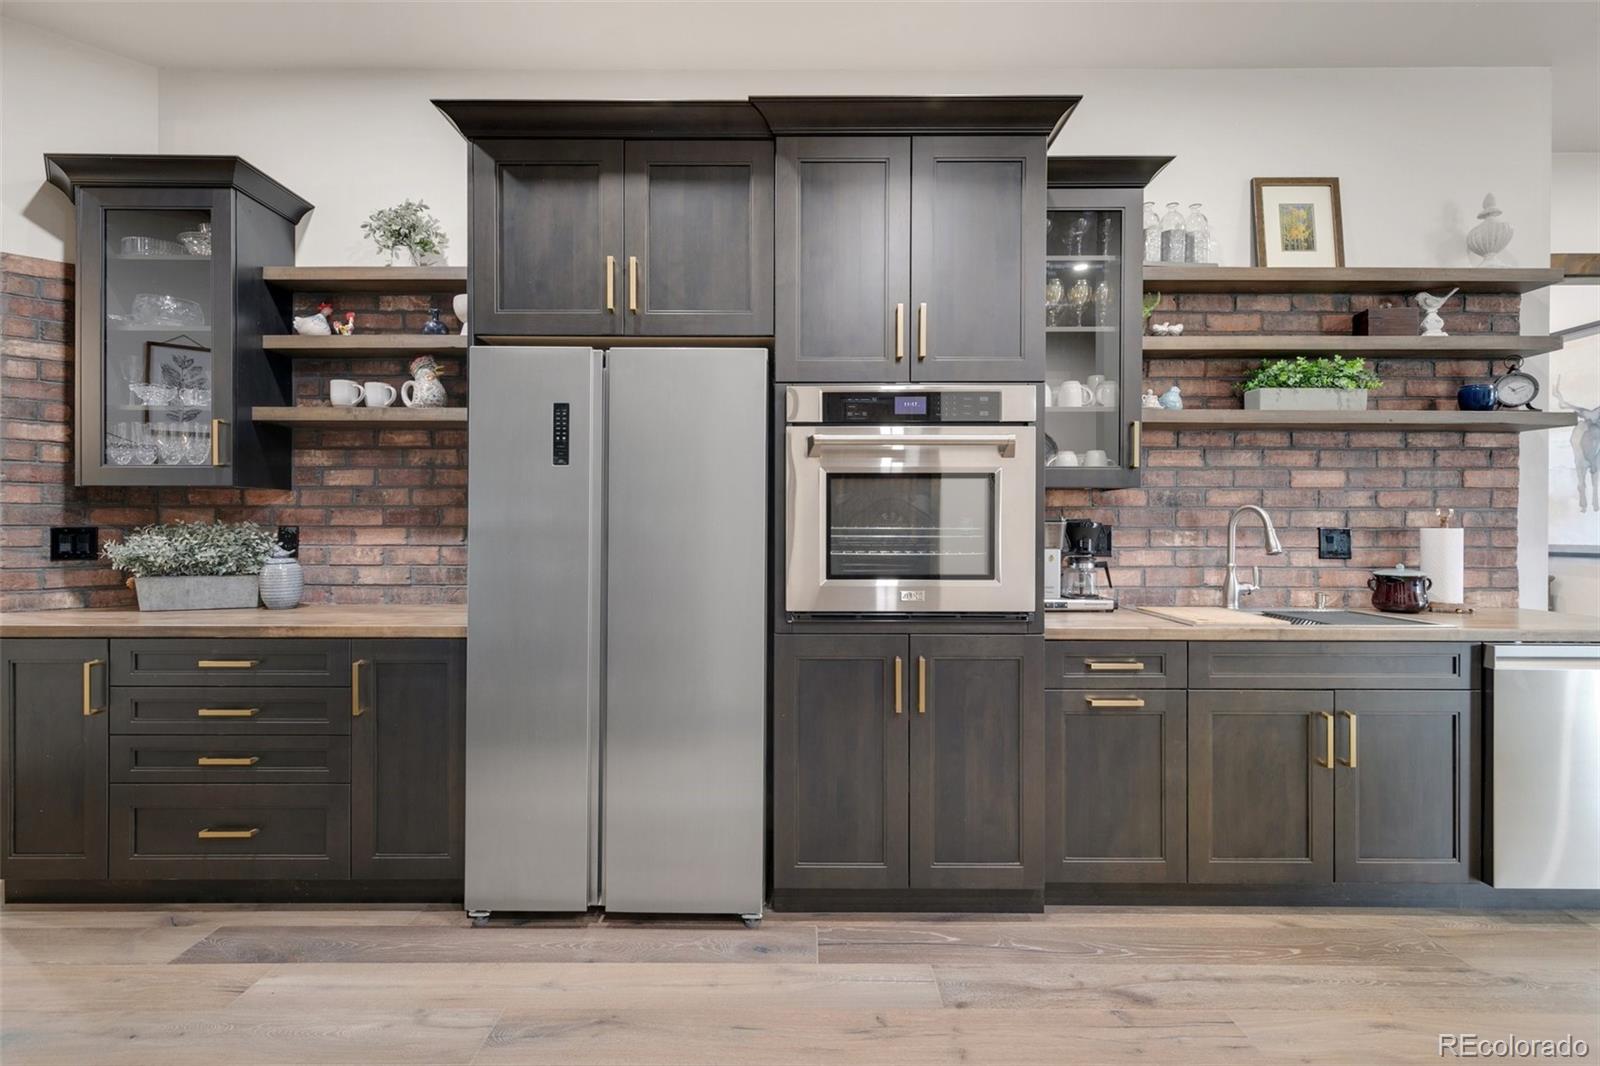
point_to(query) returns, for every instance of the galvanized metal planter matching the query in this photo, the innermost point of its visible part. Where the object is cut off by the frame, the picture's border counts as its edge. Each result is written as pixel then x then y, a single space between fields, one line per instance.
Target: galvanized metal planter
pixel 1305 400
pixel 197 593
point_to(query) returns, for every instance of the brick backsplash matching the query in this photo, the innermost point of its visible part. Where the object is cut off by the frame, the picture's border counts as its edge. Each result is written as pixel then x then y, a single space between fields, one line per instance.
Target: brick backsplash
pixel 1170 535
pixel 382 513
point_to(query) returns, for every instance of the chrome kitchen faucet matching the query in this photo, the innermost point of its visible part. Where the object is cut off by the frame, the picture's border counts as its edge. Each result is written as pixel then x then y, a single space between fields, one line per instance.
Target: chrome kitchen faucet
pixel 1233 589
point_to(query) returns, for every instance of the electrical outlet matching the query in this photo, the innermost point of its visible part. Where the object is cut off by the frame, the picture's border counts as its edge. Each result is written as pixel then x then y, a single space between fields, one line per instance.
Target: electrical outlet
pixel 1333 543
pixel 74 543
pixel 289 539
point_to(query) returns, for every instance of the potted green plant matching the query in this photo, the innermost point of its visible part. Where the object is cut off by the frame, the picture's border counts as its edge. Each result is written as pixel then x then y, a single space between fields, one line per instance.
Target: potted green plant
pixel 1301 384
pixel 191 566
pixel 407 225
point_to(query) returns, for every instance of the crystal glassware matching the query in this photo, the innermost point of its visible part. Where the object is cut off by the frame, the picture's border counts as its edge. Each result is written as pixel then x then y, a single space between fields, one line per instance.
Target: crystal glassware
pixel 144 445
pixel 1197 236
pixel 1105 311
pixel 154 395
pixel 197 241
pixel 1152 233
pixel 170 447
pixel 1077 234
pixel 1108 227
pixel 119 449
pixel 194 397
pixel 1174 240
pixel 1054 292
pixel 1078 298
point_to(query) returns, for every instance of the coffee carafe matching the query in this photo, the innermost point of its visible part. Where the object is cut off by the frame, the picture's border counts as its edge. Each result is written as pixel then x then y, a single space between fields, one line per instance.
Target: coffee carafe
pixel 1085 547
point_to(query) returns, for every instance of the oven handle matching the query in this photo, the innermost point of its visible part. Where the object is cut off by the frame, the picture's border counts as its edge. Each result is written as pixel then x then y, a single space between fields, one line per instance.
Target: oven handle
pixel 1006 442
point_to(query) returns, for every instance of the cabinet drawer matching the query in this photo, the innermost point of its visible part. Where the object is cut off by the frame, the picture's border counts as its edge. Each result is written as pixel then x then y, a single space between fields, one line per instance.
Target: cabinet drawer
pixel 242 710
pixel 230 662
pixel 227 760
pixel 1329 664
pixel 1115 664
pixel 218 832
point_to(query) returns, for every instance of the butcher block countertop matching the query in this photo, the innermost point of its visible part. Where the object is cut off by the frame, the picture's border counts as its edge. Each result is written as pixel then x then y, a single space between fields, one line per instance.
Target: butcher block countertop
pixel 319 620
pixel 1484 625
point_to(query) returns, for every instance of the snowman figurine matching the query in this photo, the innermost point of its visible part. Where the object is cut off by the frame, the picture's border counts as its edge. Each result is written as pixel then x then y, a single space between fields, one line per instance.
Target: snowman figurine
pixel 425 389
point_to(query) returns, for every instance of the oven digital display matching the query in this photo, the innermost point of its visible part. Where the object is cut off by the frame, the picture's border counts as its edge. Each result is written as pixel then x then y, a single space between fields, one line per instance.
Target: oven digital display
pixel 910 405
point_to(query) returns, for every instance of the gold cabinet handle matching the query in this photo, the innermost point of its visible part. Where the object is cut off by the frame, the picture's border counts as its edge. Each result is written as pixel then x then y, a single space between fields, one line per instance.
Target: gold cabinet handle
pixel 899 685
pixel 1114 701
pixel 88 687
pixel 633 284
pixel 922 684
pixel 611 284
pixel 1351 761
pixel 227 712
pixel 227 834
pixel 899 332
pixel 356 710
pixel 922 332
pixel 1134 432
pixel 216 440
pixel 227 664
pixel 1112 666
pixel 1327 720
pixel 218 760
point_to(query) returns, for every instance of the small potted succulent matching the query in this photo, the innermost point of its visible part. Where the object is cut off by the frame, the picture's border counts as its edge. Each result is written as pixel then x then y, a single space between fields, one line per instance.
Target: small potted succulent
pixel 407 226
pixel 1301 384
pixel 190 566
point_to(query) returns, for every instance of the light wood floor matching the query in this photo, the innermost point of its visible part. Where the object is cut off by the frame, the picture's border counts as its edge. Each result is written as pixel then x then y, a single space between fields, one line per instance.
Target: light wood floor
pixel 244 985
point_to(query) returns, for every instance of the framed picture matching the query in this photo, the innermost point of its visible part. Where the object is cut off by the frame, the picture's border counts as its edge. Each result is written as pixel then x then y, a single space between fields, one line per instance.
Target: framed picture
pixel 1297 222
pixel 187 368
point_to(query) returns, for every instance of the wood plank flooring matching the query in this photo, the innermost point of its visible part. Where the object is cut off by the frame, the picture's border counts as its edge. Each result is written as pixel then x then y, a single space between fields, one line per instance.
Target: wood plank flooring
pixel 397 984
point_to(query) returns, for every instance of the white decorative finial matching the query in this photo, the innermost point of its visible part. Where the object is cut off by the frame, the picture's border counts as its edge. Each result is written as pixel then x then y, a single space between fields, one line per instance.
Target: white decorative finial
pixel 1490 236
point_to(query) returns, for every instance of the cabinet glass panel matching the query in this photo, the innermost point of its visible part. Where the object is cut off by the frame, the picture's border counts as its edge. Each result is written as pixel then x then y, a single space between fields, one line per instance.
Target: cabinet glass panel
pixel 911 526
pixel 159 310
pixel 1083 338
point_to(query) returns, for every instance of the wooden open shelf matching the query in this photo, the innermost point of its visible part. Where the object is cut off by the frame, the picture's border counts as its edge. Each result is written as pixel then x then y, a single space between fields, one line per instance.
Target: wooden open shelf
pixel 445 279
pixel 1165 278
pixel 365 345
pixel 352 417
pixel 1579 268
pixel 1444 421
pixel 1235 346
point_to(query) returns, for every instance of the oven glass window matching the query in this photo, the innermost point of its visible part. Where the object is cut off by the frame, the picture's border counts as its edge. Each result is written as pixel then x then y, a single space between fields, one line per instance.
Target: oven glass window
pixel 911 526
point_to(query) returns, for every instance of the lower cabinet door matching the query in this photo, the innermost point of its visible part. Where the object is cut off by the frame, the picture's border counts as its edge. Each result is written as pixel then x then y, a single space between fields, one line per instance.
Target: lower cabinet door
pixel 230 832
pixel 53 740
pixel 1261 787
pixel 1115 785
pixel 840 716
pixel 977 762
pixel 1403 787
pixel 408 751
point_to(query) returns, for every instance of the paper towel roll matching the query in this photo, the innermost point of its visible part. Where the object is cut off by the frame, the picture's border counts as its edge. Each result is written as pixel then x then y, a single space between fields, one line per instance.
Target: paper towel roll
pixel 1444 560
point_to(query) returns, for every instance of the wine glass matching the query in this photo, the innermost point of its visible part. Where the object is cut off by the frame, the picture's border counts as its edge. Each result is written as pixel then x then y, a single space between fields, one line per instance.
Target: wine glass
pixel 1078 298
pixel 1054 292
pixel 1077 234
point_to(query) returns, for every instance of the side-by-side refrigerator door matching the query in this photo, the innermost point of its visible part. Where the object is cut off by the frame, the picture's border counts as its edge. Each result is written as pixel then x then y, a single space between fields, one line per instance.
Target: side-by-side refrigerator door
pixel 534 629
pixel 685 647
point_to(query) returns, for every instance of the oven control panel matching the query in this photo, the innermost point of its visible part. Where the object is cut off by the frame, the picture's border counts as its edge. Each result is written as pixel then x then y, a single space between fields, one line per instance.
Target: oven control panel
pixel 916 408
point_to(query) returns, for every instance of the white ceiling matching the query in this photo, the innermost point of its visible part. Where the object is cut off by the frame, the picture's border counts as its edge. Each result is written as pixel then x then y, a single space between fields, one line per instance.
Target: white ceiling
pixel 759 35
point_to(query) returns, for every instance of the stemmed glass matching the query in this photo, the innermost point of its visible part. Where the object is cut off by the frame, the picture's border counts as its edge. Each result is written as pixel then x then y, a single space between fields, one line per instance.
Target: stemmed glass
pixel 1078 298
pixel 1054 292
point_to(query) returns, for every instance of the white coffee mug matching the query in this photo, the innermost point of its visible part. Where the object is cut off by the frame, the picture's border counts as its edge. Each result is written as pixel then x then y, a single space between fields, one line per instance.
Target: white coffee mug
pixel 1105 394
pixel 1094 381
pixel 1073 394
pixel 344 393
pixel 1095 457
pixel 379 394
pixel 1065 459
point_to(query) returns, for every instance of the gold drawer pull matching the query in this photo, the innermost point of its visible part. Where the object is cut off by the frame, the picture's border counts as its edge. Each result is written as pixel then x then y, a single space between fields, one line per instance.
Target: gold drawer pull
pixel 227 712
pixel 633 284
pixel 922 684
pixel 218 760
pixel 228 664
pixel 88 687
pixel 355 688
pixel 922 332
pixel 1351 761
pixel 1119 701
pixel 1101 665
pixel 611 283
pixel 1327 760
pixel 899 685
pixel 227 834
pixel 899 332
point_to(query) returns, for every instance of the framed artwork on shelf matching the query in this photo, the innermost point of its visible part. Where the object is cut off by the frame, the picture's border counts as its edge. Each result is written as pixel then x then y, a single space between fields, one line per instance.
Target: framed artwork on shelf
pixel 1297 222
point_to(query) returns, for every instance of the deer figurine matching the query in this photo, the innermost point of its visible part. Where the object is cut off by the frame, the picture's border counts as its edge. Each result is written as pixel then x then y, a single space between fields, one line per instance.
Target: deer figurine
pixel 1585 450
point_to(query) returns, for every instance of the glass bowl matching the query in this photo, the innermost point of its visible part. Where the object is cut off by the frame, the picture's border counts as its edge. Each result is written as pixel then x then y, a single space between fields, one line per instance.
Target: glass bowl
pixel 158 310
pixel 150 246
pixel 197 241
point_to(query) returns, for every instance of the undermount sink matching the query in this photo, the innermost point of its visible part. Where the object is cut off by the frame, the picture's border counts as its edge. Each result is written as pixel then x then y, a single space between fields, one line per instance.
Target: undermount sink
pixel 1335 617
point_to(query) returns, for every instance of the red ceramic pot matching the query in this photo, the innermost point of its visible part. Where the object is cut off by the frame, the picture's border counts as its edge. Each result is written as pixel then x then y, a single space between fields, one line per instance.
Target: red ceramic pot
pixel 1399 590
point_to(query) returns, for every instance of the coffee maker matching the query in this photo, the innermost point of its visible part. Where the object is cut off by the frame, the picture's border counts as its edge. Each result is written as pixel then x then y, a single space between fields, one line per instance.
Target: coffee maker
pixel 1085 549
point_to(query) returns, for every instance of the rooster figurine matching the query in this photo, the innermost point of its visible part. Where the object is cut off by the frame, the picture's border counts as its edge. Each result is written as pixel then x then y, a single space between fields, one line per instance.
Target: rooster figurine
pixel 348 326
pixel 314 325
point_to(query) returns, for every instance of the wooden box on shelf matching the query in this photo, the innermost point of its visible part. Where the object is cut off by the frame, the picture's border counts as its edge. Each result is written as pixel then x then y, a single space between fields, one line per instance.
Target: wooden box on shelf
pixel 1387 322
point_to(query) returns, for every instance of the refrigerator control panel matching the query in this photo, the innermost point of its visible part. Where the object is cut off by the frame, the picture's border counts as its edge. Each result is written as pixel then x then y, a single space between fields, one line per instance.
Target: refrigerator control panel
pixel 560 434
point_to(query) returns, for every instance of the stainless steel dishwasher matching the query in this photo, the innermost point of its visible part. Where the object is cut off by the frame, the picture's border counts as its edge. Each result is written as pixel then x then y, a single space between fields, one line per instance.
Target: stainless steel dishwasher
pixel 1544 765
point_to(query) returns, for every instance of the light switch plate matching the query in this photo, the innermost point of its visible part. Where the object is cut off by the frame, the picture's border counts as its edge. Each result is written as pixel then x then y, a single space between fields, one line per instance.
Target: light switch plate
pixel 74 543
pixel 1333 543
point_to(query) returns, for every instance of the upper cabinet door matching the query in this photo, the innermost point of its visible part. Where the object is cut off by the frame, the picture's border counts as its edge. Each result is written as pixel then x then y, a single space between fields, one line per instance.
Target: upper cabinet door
pixel 699 238
pixel 546 238
pixel 844 264
pixel 977 257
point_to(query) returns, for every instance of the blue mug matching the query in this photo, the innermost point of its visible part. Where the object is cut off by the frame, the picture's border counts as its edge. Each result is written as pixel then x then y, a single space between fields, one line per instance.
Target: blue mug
pixel 1475 398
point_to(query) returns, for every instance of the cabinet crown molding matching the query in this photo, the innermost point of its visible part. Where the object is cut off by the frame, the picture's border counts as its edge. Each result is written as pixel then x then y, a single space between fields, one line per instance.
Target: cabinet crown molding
pixel 70 172
pixel 790 116
pixel 1105 171
pixel 490 119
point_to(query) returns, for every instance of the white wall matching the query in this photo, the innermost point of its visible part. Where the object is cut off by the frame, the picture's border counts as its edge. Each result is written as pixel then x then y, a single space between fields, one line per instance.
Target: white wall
pixel 60 96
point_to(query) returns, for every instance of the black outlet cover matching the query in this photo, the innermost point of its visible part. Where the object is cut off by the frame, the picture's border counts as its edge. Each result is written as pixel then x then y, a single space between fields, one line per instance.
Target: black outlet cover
pixel 1333 543
pixel 289 539
pixel 74 543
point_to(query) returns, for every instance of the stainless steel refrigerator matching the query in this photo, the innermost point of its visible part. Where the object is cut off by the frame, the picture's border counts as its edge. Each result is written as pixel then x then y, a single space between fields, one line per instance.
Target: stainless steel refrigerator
pixel 616 657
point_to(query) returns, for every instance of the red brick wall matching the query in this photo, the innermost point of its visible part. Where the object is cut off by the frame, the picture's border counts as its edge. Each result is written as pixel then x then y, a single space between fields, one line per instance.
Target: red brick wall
pixel 382 514
pixel 1170 534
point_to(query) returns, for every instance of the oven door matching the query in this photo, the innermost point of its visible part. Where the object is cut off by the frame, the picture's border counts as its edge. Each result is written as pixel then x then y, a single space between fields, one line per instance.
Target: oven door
pixel 911 519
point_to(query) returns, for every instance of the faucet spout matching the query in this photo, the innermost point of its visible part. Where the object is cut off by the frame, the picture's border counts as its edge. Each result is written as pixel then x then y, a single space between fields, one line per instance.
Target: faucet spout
pixel 1234 588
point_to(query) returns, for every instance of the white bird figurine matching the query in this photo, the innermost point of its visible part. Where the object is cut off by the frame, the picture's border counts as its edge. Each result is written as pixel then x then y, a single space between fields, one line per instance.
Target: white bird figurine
pixel 1432 324
pixel 314 325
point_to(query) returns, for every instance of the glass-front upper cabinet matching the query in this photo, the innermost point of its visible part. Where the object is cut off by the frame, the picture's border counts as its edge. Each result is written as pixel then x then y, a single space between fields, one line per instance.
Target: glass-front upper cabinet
pixel 1093 320
pixel 171 309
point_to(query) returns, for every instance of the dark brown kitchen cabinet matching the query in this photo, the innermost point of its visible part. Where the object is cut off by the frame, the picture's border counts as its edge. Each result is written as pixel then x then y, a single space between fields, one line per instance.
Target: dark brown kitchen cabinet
pixel 53 759
pixel 609 237
pixel 840 733
pixel 977 767
pixel 1116 785
pixel 1404 793
pixel 408 734
pixel 843 231
pixel 1261 787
